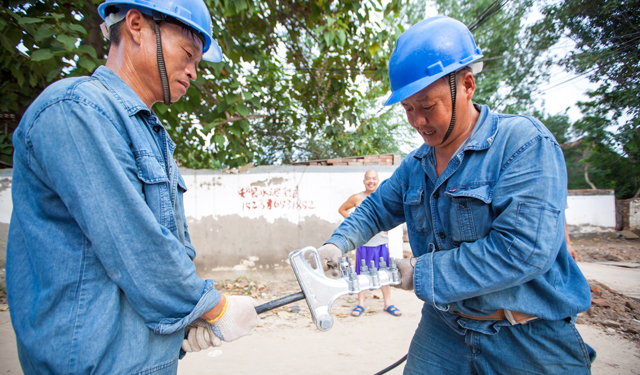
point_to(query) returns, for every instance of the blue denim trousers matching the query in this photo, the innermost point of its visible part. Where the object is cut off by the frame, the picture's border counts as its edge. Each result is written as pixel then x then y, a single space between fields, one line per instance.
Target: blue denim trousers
pixel 538 347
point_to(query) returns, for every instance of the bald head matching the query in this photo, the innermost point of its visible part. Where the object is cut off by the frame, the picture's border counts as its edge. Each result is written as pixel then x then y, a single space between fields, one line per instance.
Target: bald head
pixel 371 181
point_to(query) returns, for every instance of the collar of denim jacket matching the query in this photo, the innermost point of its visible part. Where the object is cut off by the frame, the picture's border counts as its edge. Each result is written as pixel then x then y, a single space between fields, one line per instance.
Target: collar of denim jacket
pixel 121 90
pixel 480 139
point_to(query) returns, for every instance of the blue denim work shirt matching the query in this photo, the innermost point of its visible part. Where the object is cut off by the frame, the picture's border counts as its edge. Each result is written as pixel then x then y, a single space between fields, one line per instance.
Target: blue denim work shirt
pixel 100 272
pixel 489 231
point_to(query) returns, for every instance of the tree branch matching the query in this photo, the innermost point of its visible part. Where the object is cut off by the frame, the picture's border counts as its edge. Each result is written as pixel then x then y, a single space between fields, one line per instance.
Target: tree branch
pixel 238 118
pixel 586 176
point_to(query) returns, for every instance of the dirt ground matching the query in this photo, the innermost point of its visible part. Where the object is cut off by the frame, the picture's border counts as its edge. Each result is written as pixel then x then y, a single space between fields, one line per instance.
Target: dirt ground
pixel 287 342
pixel 610 309
pixel 607 250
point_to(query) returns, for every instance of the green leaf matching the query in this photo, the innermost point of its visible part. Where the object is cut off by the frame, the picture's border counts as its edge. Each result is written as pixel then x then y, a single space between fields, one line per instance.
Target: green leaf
pixel 41 55
pixel 373 48
pixel 242 110
pixel 86 63
pixel 7 44
pixel 236 130
pixel 54 73
pixel 68 41
pixel 342 36
pixel 231 98
pixel 43 34
pixel 219 140
pixel 18 74
pixel 88 50
pixel 78 28
pixel 29 20
pixel 245 125
pixel 328 38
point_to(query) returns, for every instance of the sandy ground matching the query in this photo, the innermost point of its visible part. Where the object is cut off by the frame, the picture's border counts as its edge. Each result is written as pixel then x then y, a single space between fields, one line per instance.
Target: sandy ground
pixel 288 343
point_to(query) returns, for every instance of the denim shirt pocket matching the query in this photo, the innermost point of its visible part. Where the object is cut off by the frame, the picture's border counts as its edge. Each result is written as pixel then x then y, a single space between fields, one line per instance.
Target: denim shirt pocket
pixel 415 211
pixel 469 213
pixel 536 229
pixel 155 186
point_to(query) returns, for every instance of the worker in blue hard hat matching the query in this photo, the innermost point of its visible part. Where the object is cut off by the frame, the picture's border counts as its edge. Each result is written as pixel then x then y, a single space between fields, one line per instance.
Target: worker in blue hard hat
pixel 100 273
pixel 483 199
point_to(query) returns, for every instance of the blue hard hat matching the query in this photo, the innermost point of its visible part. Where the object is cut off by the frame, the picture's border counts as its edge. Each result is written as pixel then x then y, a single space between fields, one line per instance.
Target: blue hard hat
pixel 429 50
pixel 193 13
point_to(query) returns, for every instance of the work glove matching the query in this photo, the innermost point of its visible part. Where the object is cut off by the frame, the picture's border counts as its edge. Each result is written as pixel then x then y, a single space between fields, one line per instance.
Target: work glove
pixel 405 267
pixel 330 257
pixel 238 318
pixel 200 336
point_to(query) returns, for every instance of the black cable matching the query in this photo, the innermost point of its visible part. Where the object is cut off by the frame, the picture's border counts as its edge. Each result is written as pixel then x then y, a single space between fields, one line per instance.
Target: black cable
pixel 392 366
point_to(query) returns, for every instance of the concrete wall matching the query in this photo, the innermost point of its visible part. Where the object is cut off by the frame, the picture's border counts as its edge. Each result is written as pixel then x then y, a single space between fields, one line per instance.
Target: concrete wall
pixel 591 211
pixel 634 214
pixel 251 221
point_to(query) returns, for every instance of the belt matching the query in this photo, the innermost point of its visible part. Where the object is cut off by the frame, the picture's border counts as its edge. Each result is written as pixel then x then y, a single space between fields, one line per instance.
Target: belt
pixel 513 317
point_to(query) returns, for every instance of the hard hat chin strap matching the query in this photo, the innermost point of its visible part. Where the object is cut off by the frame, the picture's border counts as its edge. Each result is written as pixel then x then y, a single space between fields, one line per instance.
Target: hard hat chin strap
pixel 452 84
pixel 164 80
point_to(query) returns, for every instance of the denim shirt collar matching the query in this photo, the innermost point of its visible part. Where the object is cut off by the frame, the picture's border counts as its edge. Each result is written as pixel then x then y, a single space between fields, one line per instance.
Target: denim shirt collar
pixel 121 90
pixel 480 139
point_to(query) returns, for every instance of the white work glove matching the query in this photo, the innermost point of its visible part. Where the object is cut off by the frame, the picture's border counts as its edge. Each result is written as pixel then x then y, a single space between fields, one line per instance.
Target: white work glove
pixel 239 318
pixel 200 336
pixel 405 267
pixel 329 253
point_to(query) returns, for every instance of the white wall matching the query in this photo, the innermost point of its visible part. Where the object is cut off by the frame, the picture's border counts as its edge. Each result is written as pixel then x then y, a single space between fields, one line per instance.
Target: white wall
pixel 251 221
pixel 271 193
pixel 591 213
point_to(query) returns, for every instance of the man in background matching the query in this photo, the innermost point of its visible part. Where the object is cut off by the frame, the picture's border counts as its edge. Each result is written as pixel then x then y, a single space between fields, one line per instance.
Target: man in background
pixel 377 247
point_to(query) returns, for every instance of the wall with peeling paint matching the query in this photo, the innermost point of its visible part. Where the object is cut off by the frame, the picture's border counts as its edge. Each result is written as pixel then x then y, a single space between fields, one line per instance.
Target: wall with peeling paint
pixel 251 221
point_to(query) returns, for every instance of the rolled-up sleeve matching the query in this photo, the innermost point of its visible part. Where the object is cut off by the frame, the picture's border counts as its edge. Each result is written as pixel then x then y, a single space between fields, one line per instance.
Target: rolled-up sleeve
pixel 525 235
pixel 90 166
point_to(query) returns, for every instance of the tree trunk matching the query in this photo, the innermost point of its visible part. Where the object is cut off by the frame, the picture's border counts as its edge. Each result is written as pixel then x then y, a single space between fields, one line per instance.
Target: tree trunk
pixel 586 176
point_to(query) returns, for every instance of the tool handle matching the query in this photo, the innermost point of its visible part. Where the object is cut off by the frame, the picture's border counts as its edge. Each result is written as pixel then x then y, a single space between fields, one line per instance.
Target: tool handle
pixel 279 302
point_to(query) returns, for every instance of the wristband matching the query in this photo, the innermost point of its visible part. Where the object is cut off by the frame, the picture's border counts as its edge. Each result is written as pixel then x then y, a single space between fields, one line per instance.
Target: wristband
pixel 224 309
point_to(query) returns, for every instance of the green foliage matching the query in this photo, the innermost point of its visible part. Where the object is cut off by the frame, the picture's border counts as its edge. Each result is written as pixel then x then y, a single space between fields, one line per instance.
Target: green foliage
pixel 290 87
pixel 514 60
pixel 49 34
pixel 291 77
pixel 608 52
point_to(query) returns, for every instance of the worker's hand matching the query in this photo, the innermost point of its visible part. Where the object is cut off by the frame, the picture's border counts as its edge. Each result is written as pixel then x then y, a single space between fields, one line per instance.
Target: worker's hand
pixel 200 336
pixel 330 257
pixel 238 319
pixel 405 267
pixel 572 251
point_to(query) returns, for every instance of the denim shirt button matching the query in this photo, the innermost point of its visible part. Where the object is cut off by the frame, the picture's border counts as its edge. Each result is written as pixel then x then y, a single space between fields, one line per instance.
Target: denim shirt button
pixel 436 195
pixel 156 128
pixel 442 235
